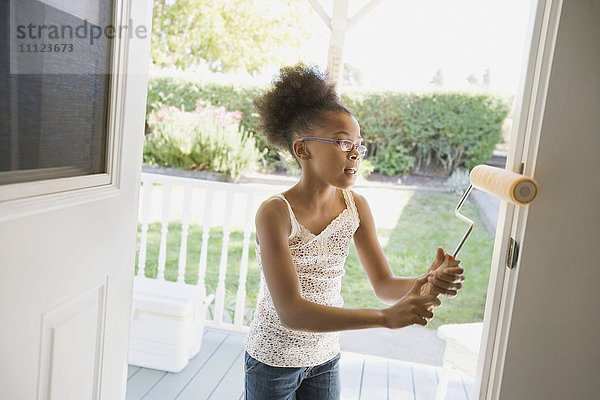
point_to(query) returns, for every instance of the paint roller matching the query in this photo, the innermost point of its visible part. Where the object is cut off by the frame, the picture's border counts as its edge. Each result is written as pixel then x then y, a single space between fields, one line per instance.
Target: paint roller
pixel 507 185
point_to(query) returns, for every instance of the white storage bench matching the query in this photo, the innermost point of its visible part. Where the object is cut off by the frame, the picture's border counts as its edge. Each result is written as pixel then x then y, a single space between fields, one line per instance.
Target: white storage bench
pixel 167 323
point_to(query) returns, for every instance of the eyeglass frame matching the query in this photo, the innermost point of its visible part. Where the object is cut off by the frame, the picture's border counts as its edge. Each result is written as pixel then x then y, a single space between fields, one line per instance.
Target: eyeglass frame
pixel 339 143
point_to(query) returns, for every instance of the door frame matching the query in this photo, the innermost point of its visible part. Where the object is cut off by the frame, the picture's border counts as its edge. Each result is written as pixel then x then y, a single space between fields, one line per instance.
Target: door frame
pixel 522 155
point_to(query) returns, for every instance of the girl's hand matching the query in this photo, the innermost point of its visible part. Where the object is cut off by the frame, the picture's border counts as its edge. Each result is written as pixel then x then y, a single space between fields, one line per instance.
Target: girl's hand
pixel 412 308
pixel 448 281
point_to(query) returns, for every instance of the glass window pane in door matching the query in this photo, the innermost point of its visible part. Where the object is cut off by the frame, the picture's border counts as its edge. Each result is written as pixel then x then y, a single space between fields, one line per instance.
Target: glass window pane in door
pixel 54 103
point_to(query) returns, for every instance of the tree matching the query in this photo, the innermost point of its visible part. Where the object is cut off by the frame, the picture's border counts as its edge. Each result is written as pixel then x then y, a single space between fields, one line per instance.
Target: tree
pixel 485 82
pixel 472 79
pixel 353 75
pixel 438 78
pixel 487 78
pixel 227 35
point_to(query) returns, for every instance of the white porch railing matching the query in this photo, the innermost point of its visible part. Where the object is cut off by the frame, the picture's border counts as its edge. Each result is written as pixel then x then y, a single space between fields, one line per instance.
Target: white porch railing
pixel 174 206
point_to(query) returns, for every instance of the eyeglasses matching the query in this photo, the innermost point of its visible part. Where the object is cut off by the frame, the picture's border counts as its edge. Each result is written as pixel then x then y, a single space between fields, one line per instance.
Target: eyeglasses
pixel 344 145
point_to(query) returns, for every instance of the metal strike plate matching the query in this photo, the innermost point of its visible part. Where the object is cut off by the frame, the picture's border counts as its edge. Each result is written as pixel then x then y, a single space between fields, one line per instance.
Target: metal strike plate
pixel 513 254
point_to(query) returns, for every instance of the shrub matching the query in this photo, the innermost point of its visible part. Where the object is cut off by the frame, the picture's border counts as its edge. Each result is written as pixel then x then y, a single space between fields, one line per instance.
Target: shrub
pixel 380 115
pixel 207 138
pixel 428 132
pixel 453 130
pixel 365 168
pixel 458 182
pixel 182 91
pixel 395 160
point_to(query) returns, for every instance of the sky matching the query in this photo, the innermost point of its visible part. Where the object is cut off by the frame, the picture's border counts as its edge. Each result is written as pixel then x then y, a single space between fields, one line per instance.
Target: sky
pixel 401 44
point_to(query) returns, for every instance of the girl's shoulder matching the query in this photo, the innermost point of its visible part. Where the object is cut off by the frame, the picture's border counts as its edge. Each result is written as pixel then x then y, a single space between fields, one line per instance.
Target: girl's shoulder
pixel 273 214
pixel 359 200
pixel 272 218
pixel 362 206
pixel 273 206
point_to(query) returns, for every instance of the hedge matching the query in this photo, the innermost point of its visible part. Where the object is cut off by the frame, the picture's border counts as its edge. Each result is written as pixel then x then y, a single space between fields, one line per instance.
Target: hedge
pixel 406 132
pixel 431 132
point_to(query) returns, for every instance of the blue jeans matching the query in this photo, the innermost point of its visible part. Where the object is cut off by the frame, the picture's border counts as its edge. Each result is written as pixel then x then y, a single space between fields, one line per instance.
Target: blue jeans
pixel 264 382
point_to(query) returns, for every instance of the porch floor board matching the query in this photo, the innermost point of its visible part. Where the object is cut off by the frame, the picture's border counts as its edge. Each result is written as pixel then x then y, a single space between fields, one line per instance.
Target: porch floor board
pixel 216 372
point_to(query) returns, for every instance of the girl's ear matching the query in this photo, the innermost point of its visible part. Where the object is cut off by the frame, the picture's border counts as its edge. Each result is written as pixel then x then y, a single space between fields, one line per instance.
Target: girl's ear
pixel 301 150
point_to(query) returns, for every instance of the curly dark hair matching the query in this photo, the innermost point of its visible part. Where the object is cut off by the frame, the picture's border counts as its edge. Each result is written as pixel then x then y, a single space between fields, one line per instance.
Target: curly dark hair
pixel 295 103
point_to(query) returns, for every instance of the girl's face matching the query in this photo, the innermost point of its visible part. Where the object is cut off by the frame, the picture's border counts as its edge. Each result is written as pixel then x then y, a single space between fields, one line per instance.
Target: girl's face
pixel 327 161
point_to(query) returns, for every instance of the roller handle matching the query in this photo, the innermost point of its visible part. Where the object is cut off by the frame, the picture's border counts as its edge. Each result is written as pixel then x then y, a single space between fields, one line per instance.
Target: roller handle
pixel 507 185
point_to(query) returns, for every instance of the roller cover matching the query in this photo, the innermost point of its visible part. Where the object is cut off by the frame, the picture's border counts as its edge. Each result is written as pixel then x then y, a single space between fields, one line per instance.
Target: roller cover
pixel 507 185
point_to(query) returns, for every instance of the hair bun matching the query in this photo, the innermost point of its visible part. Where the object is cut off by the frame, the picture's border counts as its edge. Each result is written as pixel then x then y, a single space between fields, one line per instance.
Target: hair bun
pixel 295 102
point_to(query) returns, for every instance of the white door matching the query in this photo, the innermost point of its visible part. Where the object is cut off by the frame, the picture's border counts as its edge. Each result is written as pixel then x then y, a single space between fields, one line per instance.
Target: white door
pixel 543 329
pixel 70 163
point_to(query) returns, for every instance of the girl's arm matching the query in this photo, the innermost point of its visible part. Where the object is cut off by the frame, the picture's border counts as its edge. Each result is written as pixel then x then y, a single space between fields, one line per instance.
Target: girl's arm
pixel 272 230
pixel 390 288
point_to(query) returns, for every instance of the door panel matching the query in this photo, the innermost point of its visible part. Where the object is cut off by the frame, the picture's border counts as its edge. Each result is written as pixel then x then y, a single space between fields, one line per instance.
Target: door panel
pixel 71 344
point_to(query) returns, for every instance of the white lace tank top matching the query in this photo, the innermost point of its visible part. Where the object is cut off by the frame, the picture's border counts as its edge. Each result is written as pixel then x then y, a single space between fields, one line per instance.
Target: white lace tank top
pixel 319 261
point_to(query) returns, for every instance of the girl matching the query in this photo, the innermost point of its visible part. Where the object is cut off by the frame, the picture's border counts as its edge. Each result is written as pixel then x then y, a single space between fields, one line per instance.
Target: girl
pixel 302 240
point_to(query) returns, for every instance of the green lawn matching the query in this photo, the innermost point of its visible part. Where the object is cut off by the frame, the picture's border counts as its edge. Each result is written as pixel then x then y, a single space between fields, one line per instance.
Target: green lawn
pixel 426 222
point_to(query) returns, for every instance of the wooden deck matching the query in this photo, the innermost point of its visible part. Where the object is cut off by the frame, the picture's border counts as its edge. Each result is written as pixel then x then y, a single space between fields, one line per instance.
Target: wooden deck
pixel 217 373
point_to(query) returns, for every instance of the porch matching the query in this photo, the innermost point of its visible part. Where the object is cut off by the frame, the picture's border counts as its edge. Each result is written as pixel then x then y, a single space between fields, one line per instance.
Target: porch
pixel 217 373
